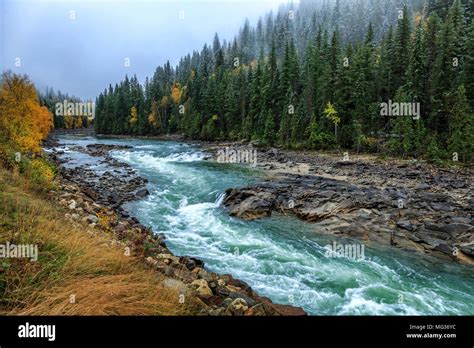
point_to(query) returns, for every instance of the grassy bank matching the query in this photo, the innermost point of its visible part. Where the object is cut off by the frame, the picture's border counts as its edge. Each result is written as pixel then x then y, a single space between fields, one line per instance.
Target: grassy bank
pixel 79 271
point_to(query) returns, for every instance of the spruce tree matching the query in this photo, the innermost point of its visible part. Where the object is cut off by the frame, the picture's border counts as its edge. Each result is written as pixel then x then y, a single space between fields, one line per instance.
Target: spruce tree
pixel 286 121
pixel 402 47
pixel 430 46
pixel 269 135
pixel 416 70
pixel 387 74
pixel 468 77
pixel 461 128
pixel 446 73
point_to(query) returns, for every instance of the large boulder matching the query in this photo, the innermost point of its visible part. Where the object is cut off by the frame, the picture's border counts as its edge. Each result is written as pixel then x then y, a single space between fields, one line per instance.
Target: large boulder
pixel 202 288
pixel 249 204
pixel 237 307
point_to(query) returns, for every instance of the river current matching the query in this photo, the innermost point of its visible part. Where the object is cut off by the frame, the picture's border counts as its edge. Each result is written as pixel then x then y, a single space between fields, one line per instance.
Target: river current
pixel 281 257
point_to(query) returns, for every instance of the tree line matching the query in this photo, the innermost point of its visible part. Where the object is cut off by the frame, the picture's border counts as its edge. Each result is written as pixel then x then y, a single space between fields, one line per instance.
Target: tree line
pixel 317 76
pixel 51 99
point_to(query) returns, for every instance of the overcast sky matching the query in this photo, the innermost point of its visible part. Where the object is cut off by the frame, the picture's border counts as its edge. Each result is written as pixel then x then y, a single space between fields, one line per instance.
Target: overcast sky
pixel 80 47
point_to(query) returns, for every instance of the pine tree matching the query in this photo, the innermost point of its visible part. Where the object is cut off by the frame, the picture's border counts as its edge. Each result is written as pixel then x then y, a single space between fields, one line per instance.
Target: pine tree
pixel 469 67
pixel 216 44
pixel 364 90
pixel 401 142
pixel 228 103
pixel 332 68
pixel 416 70
pixel 269 135
pixel 402 47
pixel 290 73
pixel 387 74
pixel 446 73
pixel 439 7
pixel 348 88
pixel 369 37
pixel 456 13
pixel 298 126
pixel 461 139
pixel 248 122
pixel 286 121
pixel 430 46
pixel 274 101
pixel 418 137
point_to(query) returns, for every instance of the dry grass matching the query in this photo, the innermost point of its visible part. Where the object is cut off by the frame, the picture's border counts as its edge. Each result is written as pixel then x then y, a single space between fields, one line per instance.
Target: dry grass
pixel 73 264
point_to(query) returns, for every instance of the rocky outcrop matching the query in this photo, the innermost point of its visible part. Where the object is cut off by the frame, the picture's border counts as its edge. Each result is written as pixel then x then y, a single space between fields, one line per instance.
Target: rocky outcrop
pixel 250 204
pixel 418 208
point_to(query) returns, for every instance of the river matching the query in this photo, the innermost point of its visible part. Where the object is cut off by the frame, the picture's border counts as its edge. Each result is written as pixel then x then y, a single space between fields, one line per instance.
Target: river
pixel 281 257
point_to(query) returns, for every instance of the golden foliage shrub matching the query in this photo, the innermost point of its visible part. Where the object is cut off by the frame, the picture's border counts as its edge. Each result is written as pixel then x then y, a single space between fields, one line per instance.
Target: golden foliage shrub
pixel 24 123
pixel 41 173
pixel 106 221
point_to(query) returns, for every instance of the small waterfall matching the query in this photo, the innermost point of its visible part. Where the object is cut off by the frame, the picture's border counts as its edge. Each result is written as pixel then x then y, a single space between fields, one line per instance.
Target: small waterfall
pixel 220 199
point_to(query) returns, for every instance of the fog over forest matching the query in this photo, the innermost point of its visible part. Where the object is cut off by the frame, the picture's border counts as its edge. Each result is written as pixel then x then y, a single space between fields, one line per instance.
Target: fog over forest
pixel 80 47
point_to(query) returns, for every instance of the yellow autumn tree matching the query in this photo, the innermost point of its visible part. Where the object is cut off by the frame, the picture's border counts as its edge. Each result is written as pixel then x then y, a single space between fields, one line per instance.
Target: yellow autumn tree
pixel 23 121
pixel 133 116
pixel 78 122
pixel 164 101
pixel 153 116
pixel 176 93
pixel 331 114
pixel 68 121
pixel 164 109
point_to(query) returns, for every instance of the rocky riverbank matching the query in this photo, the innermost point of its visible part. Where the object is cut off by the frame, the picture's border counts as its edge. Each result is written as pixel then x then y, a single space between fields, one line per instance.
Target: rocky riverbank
pixel 96 201
pixel 409 205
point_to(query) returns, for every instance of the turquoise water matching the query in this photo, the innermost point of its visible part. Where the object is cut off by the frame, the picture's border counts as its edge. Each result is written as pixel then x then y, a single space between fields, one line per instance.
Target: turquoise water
pixel 281 257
